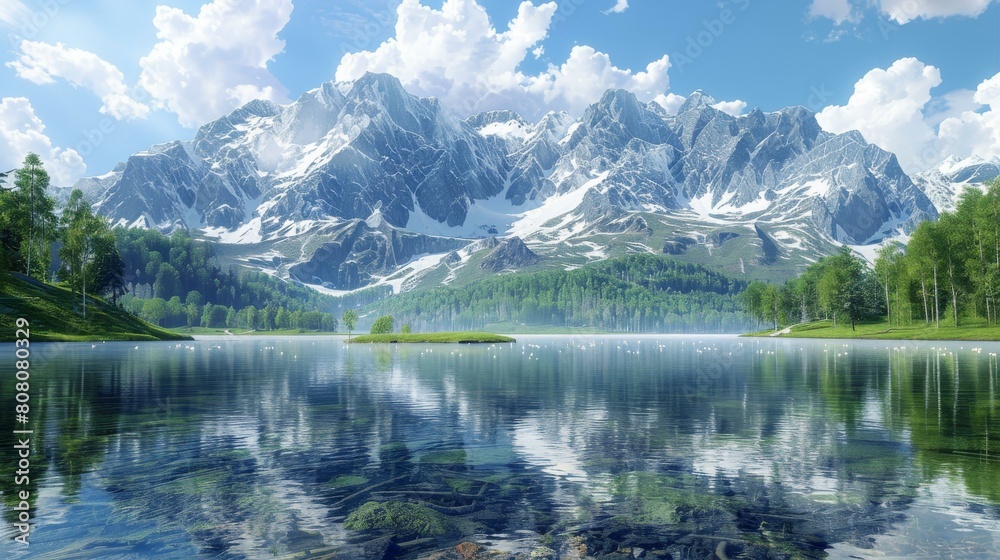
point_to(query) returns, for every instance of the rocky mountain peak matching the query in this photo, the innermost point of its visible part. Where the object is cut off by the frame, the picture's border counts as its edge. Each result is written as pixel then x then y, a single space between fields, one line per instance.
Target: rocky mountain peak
pixel 697 101
pixel 512 254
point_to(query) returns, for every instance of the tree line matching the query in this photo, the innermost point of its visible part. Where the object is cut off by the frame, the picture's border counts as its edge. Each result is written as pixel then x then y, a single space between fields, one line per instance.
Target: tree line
pixel 948 272
pixel 636 293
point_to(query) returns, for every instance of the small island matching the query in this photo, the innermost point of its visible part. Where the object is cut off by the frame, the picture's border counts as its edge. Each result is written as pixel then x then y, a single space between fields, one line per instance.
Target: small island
pixel 433 338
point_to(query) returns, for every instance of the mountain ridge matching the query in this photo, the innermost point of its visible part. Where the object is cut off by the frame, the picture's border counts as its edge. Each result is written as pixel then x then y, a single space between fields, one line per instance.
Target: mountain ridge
pixel 355 183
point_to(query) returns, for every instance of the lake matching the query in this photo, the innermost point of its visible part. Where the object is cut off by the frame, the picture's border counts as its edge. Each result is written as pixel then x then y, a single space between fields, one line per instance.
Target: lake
pixel 622 446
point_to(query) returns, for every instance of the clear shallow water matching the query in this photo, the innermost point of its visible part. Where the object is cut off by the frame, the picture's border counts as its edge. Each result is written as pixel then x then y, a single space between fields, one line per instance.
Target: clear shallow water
pixel 259 448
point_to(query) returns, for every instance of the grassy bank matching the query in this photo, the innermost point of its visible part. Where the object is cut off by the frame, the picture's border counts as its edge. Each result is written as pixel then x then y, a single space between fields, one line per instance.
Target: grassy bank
pixel 49 311
pixel 433 338
pixel 973 331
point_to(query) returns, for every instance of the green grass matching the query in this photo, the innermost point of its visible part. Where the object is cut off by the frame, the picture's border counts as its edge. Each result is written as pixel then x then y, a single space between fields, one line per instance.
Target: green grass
pixel 49 311
pixel 971 329
pixel 434 338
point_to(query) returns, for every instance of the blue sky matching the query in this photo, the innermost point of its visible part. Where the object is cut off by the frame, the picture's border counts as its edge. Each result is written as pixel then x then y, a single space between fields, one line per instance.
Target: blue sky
pixel 86 84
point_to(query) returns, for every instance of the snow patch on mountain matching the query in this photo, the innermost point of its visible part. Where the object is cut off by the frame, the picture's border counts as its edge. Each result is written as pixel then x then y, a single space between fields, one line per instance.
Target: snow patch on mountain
pixel 945 183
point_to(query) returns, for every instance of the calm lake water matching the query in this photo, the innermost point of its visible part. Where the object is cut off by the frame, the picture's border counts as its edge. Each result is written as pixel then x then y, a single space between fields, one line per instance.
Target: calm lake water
pixel 260 448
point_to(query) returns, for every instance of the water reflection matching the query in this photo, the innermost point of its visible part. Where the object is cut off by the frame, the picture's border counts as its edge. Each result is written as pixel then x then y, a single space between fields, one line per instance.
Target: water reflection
pixel 261 448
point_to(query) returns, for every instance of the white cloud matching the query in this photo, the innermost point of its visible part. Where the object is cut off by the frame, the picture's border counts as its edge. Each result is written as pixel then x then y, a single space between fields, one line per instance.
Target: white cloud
pixel 900 11
pixel 21 132
pixel 457 55
pixel 734 108
pixel 905 11
pixel 837 10
pixel 951 104
pixel 975 133
pixel 895 110
pixel 619 7
pixel 887 108
pixel 13 13
pixel 671 102
pixel 41 63
pixel 205 66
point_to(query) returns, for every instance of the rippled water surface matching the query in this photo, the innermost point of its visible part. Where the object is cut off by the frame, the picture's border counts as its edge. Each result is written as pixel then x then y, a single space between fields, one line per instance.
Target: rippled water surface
pixel 684 447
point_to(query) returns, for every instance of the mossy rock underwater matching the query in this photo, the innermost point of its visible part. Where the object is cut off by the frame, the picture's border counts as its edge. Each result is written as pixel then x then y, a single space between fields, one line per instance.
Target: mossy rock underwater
pixel 400 518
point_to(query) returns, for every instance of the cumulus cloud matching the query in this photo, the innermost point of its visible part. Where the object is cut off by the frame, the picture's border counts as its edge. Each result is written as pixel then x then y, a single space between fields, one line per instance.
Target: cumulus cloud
pixel 905 11
pixel 887 108
pixel 205 66
pixel 734 108
pixel 21 132
pixel 671 102
pixel 456 54
pixel 837 10
pixel 895 110
pixel 42 63
pixel 619 7
pixel 975 133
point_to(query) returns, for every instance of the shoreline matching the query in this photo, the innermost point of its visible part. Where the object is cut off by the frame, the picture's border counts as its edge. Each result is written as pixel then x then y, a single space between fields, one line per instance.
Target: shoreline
pixel 824 330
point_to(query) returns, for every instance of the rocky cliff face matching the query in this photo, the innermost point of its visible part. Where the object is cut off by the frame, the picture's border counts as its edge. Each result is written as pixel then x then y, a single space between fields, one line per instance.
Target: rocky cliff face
pixel 357 181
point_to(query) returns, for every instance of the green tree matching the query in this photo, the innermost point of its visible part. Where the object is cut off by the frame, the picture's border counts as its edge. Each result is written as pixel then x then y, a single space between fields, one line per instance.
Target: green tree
pixel 283 320
pixel 350 320
pixel 328 323
pixel 382 325
pixel 406 329
pixel 80 234
pixel 753 300
pixel 889 268
pixel 108 275
pixel 168 281
pixel 925 254
pixel 33 217
pixel 154 310
pixel 770 304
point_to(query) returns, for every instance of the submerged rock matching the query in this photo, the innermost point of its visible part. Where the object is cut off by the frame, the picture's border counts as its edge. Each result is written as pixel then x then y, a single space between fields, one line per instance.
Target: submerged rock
pixel 400 518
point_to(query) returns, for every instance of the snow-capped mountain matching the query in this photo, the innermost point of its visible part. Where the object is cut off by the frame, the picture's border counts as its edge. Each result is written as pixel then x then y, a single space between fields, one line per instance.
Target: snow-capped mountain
pixel 945 183
pixel 360 183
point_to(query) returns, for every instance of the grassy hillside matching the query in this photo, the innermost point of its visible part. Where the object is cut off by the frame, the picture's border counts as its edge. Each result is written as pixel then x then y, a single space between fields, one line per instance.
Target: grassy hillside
pixel 49 310
pixel 973 331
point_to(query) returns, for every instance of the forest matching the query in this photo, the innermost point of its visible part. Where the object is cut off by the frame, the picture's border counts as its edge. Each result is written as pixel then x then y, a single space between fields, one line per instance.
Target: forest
pixel 637 293
pixel 170 281
pixel 947 274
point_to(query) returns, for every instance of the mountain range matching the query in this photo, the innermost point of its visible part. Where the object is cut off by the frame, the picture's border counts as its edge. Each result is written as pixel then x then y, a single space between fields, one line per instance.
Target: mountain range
pixel 361 184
